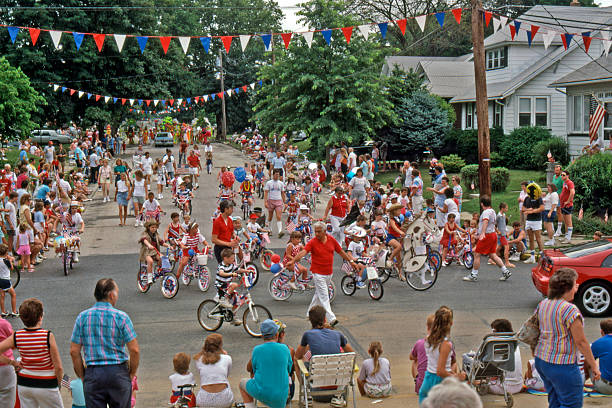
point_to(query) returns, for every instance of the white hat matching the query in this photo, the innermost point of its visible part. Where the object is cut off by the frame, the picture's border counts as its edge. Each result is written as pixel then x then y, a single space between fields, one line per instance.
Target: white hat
pixel 304 207
pixel 358 232
pixel 236 218
pixel 249 177
pixel 392 196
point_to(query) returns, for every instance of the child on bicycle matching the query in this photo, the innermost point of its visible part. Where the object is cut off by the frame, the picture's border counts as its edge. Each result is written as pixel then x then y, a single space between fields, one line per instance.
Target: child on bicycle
pixel 183 197
pixel 150 244
pixel 175 231
pixel 291 186
pixel 191 240
pixel 291 208
pixel 151 207
pixel 449 236
pixel 254 228
pixel 294 247
pixel 227 271
pixel 239 230
pixel 356 249
pixel 6 265
pixel 378 227
pixel 247 189
pixel 182 376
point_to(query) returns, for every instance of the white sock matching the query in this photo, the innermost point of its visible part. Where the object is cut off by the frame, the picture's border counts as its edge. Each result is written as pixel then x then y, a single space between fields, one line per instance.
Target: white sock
pixel 279 224
pixel 568 236
pixel 559 226
pixel 475 272
pixel 504 269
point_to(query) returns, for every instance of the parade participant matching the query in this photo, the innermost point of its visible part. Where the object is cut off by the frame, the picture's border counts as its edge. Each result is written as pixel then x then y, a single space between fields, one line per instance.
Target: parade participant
pixel 322 248
pixel 533 208
pixel 227 272
pixel 190 241
pixel 566 202
pixel 338 205
pixel 247 189
pixel 395 236
pixel 223 229
pixel 104 180
pixel 151 244
pixel 449 236
pixel 194 166
pixel 416 192
pixel 139 194
pixel 122 196
pixel 146 165
pixel 294 247
pixel 274 199
pixel 162 177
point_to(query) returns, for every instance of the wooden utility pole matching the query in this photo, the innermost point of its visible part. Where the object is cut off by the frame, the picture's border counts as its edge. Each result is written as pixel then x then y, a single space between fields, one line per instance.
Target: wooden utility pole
pixel 224 118
pixel 482 103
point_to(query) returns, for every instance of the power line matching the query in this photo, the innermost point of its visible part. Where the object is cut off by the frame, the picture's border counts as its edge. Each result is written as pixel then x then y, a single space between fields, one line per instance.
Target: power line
pixel 115 8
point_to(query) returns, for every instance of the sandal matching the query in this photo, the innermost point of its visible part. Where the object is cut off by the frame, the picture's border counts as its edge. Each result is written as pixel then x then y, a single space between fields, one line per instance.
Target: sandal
pixel 31 270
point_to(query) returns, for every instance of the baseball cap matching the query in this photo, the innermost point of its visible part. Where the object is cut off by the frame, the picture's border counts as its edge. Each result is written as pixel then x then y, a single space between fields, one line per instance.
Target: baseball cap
pixel 268 328
pixel 392 196
pixel 253 216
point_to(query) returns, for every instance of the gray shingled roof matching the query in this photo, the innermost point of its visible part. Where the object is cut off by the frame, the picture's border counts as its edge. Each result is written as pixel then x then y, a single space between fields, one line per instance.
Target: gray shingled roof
pixel 447 78
pixel 595 71
pixel 406 63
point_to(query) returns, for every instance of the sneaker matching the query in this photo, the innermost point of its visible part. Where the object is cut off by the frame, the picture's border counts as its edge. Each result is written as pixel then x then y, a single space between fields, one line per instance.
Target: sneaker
pixel 515 257
pixel 550 242
pixel 444 263
pixel 4 315
pixel 14 314
pixel 76 258
pixel 338 402
pixel 558 233
pixel 292 285
pixel 150 278
pixel 360 285
pixel 505 276
pixel 225 302
pixel 470 278
pixel 236 322
pixel 531 260
pixel 281 234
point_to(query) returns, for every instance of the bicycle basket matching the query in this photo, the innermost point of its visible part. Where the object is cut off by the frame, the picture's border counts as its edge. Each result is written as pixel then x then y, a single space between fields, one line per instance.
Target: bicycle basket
pixel 202 259
pixel 165 262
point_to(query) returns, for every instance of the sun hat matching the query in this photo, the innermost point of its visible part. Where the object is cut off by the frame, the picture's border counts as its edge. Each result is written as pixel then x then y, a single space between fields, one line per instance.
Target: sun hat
pixel 393 196
pixel 74 204
pixel 253 216
pixel 303 207
pixel 268 328
pixel 150 223
pixel 358 232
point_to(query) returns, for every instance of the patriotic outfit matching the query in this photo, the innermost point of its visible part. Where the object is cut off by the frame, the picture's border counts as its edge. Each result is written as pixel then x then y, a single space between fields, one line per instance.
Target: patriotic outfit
pixel 191 242
pixel 222 282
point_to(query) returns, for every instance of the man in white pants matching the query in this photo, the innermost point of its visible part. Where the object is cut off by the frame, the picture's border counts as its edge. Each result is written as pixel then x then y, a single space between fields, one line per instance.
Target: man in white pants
pixel 322 248
pixel 338 204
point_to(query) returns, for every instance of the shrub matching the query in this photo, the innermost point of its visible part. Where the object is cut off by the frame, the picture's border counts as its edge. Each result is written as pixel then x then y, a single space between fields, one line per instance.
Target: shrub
pixel 496 159
pixel 500 177
pixel 557 147
pixel 452 163
pixel 591 176
pixel 517 147
pixel 589 224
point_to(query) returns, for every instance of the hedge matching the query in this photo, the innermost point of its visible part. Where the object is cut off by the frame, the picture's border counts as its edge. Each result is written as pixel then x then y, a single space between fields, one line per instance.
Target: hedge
pixel 500 177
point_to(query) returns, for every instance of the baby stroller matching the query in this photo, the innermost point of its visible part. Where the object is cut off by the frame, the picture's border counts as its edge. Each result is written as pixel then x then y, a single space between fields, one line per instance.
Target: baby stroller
pixel 494 356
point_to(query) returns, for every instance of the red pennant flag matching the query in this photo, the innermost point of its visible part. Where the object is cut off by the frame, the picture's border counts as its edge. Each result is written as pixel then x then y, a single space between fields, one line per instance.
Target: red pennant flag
pixel 244 88
pixel 72 91
pixel 171 102
pixel 148 102
pixel 457 14
pixel 197 99
pixel 348 32
pixel 227 42
pixel 534 30
pixel 488 15
pixel 165 42
pixel 131 110
pixel 402 25
pixel 123 101
pixel 512 31
pixel 586 39
pixel 99 39
pixel 98 97
pixel 286 39
pixel 34 33
pixel 220 95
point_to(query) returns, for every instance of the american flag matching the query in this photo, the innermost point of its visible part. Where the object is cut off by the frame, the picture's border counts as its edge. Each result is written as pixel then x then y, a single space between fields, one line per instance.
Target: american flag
pixel 291 225
pixel 596 115
pixel 65 383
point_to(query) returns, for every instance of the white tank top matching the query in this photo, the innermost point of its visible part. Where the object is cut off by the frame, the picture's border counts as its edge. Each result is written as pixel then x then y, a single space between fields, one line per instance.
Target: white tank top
pixel 433 355
pixel 139 188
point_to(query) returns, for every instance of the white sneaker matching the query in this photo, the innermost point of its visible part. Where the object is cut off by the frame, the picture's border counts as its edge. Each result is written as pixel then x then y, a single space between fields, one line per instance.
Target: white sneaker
pixel 531 260
pixel 292 285
pixel 225 302
pixel 75 259
pixel 558 233
pixel 505 276
pixel 515 257
pixel 136 224
pixel 550 242
pixel 150 278
pixel 470 278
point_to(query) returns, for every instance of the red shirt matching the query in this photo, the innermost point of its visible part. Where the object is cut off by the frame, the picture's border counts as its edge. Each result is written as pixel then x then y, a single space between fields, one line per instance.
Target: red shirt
pixel 6 185
pixel 565 194
pixel 20 178
pixel 338 206
pixel 223 230
pixel 322 254
pixel 193 161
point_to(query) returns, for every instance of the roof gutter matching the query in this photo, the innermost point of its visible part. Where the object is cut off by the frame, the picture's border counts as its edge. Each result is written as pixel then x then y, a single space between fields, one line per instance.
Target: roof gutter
pixel 583 82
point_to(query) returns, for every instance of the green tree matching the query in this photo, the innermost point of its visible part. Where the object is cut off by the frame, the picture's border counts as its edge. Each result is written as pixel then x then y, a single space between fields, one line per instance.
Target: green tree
pixel 17 102
pixel 332 92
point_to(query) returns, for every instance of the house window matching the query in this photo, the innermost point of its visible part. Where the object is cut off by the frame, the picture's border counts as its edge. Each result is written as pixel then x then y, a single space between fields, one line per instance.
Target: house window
pixel 497 58
pixel 470 115
pixel 580 113
pixel 498 114
pixel 533 111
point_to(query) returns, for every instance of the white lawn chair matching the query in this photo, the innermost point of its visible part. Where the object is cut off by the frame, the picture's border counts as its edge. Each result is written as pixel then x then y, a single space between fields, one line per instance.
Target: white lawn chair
pixel 324 371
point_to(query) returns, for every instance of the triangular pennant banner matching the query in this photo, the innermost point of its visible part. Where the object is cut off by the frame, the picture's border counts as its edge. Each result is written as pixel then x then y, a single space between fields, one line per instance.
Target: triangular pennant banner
pixel 227 42
pixel 89 95
pixel 148 102
pixel 165 43
pixel 308 37
pixel 586 39
pixel 267 40
pixel 517 26
pixel 64 89
pixel 140 101
pixel 548 38
pixel 196 99
pixel 383 29
pixel 220 95
pixel 487 17
pixel 131 102
pixel 421 21
pixel 205 98
pixel 99 39
pixel 496 24
pixel 171 102
pixel 179 101
pixel 606 41
pixel 72 91
pixel 244 40
pixel 457 14
pixel 348 32
pixel 529 35
pixel 401 24
pixel 155 102
pixel 188 100
pixel 106 99
pixel 123 100
pixel 78 39
pixel 34 33
pixel 205 43
pixel 504 20
pixel 184 41
pixel 252 85
pixel 364 30
pixel 440 17
pixel 286 39
pixel 119 40
pixel 98 97
pixel 534 31
pixel 244 88
pixel 56 36
pixel 512 32
pixel 142 43
pixel 229 92
pixel 567 39
pixel 327 34
pixel 55 87
pixel 81 93
pixel 13 31
pixel 115 100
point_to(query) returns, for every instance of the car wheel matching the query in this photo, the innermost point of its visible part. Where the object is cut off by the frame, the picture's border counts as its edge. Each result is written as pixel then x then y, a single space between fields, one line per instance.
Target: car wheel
pixel 594 298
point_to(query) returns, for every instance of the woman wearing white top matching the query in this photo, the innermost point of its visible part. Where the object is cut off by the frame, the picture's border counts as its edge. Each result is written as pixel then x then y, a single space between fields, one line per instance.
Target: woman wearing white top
pixel 147 166
pixel 139 195
pixel 551 202
pixel 359 186
pixel 450 206
pixel 214 365
pixel 122 196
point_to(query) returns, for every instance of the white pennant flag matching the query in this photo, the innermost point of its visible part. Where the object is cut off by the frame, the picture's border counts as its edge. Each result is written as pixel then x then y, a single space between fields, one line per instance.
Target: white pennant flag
pixel 184 43
pixel 229 92
pixel 81 93
pixel 252 85
pixel 132 102
pixel 205 98
pixel 244 40
pixel 421 21
pixel 504 20
pixel 155 102
pixel 55 87
pixel 106 99
pixel 364 30
pixel 548 37
pixel 496 24
pixel 179 101
pixel 119 39
pixel 308 37
pixel 606 41
pixel 56 36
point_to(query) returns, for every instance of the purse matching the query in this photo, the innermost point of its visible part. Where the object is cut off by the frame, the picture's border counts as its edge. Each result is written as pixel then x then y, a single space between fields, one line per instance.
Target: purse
pixel 529 333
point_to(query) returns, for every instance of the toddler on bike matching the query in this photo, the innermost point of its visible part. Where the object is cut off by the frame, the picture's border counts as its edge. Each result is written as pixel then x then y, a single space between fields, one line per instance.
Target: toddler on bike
pixel 151 207
pixel 182 376
pixel 293 248
pixel 191 240
pixel 254 228
pixel 239 230
pixel 151 243
pixel 378 227
pixel 292 208
pixel 247 189
pixel 449 236
pixel 183 197
pixel 356 249
pixel 227 272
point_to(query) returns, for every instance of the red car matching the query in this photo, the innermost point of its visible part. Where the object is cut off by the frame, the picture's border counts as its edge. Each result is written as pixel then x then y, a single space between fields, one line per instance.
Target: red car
pixel 593 262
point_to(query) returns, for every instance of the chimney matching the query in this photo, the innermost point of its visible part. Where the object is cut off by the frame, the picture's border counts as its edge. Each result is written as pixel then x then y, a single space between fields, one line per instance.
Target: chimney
pixel 575 3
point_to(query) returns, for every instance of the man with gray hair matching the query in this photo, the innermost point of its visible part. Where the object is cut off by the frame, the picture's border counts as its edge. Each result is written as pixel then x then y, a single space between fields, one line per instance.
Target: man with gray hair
pixel 451 393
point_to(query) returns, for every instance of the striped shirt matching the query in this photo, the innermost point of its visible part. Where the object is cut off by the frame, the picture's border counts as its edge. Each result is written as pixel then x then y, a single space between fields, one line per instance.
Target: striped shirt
pixel 556 345
pixel 231 268
pixel 103 331
pixel 38 370
pixel 192 241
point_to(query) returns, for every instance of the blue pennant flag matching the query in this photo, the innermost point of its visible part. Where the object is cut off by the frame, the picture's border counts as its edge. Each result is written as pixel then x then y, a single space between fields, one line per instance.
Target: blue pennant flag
pixel 517 25
pixel 115 100
pixel 237 90
pixel 383 29
pixel 78 39
pixel 88 95
pixel 64 89
pixel 327 35
pixel 142 43
pixel 529 37
pixel 266 38
pixel 163 101
pixel 205 43
pixel 260 83
pixel 13 33
pixel 212 96
pixel 440 17
pixel 188 100
pixel 140 101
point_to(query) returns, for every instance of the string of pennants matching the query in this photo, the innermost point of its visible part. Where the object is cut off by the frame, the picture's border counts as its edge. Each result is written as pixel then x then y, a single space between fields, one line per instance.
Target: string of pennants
pixel 167 103
pixel 226 40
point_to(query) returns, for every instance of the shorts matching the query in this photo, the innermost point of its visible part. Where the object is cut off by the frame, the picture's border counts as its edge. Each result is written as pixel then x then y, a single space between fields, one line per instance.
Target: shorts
pixel 222 399
pixel 23 250
pixel 533 225
pixel 138 199
pixel 122 198
pixel 193 170
pixel 503 241
pixel 377 390
pixel 567 210
pixel 148 172
pixel 546 218
pixel 275 204
pixel 161 179
pixel 390 238
pixel 38 226
pixel 221 287
pixel 487 245
pixel 5 285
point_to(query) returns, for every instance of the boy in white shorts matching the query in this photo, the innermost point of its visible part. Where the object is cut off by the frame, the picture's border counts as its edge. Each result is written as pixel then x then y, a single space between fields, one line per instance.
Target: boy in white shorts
pixel 532 208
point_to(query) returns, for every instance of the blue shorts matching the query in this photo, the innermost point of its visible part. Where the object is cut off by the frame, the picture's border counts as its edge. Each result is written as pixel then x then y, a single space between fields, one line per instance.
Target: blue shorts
pixel 567 210
pixel 546 218
pixel 430 381
pixel 389 238
pixel 122 198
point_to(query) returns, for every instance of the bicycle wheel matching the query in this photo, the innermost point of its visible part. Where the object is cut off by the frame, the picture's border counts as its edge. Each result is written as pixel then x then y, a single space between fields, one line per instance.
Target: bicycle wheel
pixel 210 316
pixel 331 291
pixel 141 280
pixel 422 279
pixel 347 284
pixel 15 276
pixel 203 278
pixel 278 288
pixel 434 259
pixel 252 318
pixel 375 289
pixel 65 262
pixel 383 274
pixel 169 285
pixel 468 260
pixel 266 259
pixel 253 272
pixel 186 277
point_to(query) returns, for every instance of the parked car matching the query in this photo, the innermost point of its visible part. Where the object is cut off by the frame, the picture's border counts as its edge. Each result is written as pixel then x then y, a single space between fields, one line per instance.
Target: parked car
pixel 593 262
pixel 43 136
pixel 299 137
pixel 164 139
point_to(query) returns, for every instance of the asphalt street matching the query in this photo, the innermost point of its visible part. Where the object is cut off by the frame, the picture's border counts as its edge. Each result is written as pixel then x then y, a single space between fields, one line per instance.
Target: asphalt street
pixel 165 327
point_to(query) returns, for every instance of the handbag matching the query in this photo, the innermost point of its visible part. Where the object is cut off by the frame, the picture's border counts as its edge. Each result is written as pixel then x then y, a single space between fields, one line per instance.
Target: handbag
pixel 529 333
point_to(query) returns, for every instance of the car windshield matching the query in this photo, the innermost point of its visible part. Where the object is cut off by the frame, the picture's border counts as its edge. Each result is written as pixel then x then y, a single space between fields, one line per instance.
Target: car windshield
pixel 587 249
